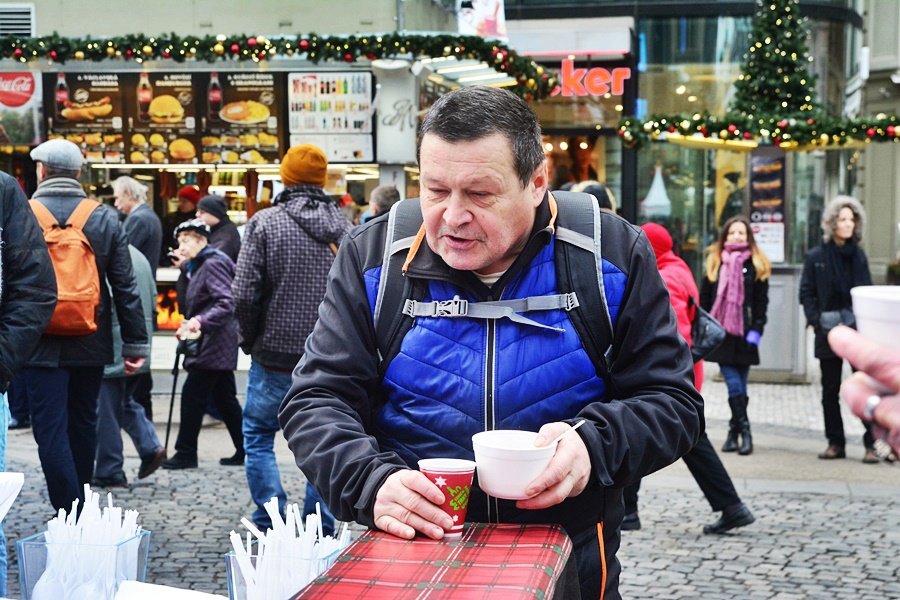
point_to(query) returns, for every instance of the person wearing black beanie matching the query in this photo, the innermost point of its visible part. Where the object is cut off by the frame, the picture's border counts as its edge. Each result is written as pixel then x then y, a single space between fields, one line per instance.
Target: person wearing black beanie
pixel 213 210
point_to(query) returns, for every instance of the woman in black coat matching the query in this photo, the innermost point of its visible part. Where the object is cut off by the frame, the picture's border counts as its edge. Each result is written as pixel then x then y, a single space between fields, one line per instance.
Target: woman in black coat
pixel 735 290
pixel 209 312
pixel 829 272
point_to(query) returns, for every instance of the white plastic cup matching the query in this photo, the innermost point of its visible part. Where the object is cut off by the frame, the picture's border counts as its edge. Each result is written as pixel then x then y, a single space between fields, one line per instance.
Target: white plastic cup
pixel 877 312
pixel 507 460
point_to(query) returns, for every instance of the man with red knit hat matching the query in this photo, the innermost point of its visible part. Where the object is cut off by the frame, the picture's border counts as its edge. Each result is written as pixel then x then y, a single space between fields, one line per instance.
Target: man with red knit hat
pixel 188 197
pixel 282 271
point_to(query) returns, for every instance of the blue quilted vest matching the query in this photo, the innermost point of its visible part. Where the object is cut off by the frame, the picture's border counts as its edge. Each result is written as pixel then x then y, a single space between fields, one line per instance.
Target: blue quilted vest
pixel 454 377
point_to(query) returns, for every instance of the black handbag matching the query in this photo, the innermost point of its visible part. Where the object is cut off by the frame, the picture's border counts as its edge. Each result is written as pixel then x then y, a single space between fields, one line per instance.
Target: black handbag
pixel 706 332
pixel 189 348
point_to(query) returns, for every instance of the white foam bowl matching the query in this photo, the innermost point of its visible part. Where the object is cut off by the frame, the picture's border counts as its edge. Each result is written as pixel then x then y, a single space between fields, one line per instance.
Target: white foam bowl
pixel 506 461
pixel 877 311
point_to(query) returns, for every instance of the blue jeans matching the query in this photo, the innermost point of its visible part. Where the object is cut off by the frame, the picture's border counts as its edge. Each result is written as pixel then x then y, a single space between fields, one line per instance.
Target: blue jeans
pixel 117 410
pixel 735 379
pixel 4 422
pixel 265 391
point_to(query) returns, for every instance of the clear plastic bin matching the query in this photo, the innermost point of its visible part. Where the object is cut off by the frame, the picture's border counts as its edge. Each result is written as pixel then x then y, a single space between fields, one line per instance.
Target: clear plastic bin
pixel 83 571
pixel 293 573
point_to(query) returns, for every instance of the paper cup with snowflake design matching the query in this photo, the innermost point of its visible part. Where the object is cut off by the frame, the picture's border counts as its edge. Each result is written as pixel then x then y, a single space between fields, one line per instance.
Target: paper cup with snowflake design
pixel 454 477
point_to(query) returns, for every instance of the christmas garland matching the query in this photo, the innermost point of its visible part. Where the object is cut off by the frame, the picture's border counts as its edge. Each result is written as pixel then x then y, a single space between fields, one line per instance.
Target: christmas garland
pixel 532 82
pixel 746 131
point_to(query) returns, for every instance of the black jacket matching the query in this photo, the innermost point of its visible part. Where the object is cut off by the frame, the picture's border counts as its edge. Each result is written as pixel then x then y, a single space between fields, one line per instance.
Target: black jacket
pixel 27 281
pixel 144 232
pixel 651 415
pixel 817 290
pixel 61 195
pixel 225 237
pixel 735 350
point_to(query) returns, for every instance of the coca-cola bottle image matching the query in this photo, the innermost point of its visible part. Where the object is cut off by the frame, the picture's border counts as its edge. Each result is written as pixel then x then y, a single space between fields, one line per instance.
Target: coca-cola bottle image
pixel 62 95
pixel 144 96
pixel 214 97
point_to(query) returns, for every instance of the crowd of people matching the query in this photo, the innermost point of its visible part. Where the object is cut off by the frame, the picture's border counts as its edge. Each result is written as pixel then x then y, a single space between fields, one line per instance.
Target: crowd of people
pixel 356 349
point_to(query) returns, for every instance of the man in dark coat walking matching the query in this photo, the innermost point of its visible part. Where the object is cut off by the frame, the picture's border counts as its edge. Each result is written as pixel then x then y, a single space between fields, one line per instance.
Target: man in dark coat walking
pixel 224 236
pixel 64 373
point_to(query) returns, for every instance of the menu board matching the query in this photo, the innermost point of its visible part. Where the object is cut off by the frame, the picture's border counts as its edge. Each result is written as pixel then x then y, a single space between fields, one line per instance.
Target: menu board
pixel 87 109
pixel 239 118
pixel 161 115
pixel 767 168
pixel 334 111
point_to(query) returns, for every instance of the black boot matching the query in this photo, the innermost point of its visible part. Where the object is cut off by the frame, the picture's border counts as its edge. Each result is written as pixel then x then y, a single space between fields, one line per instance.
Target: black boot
pixel 744 426
pixel 731 439
pixel 732 517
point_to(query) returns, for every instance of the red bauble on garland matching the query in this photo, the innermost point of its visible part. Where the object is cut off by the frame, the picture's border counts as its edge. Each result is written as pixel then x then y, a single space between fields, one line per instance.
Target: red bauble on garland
pixel 235 48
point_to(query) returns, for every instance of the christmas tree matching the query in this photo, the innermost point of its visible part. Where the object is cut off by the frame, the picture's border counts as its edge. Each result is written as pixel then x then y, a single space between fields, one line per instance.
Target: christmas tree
pixel 774 76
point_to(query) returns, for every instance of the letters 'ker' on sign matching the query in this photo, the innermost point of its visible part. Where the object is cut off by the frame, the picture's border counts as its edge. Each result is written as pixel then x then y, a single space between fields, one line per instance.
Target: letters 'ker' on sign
pixel 591 82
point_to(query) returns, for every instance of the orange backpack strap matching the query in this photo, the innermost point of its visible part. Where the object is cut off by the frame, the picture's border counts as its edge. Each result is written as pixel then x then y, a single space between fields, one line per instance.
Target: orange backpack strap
pixel 82 213
pixel 44 217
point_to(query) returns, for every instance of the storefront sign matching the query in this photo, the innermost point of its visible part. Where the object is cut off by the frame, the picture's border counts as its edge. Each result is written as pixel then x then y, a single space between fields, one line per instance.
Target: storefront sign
pixel 767 189
pixel 333 111
pixel 20 98
pixel 87 109
pixel 596 81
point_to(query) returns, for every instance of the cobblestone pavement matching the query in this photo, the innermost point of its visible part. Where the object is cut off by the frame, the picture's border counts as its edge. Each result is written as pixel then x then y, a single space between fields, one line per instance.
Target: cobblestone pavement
pixel 823 530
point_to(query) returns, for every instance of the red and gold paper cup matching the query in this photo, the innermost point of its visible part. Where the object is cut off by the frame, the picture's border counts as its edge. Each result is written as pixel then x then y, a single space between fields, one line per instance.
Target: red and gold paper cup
pixel 454 477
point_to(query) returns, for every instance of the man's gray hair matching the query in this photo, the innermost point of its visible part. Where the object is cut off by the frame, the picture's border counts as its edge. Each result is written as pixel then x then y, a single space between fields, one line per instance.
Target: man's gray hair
pixel 384 197
pixel 132 187
pixel 474 113
pixel 830 216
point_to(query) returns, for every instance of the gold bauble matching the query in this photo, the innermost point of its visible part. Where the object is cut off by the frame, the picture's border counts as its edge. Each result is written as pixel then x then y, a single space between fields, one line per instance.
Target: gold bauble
pixel 192 51
pixel 540 70
pixel 219 49
pixel 110 51
pixel 79 55
pixel 530 82
pixel 147 50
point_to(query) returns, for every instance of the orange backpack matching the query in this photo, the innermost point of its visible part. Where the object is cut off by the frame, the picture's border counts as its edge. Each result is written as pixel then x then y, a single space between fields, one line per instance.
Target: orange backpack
pixel 77 277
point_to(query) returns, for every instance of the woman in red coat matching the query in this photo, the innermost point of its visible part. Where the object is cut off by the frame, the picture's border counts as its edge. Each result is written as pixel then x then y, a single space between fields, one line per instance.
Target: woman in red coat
pixel 702 461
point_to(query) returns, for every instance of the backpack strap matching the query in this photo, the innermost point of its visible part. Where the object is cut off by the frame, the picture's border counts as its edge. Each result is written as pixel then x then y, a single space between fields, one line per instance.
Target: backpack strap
pixel 493 309
pixel 44 217
pixel 578 269
pixel 404 222
pixel 82 213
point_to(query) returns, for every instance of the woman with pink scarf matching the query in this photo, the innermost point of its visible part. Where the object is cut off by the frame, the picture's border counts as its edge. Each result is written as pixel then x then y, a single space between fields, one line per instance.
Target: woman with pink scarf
pixel 735 290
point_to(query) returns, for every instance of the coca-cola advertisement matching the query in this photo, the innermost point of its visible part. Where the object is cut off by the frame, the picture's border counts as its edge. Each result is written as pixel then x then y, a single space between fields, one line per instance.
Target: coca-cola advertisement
pixel 87 109
pixel 160 110
pixel 20 109
pixel 239 120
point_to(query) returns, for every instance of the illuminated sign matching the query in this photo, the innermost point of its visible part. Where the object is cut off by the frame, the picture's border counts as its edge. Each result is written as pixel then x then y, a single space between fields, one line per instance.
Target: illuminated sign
pixel 590 82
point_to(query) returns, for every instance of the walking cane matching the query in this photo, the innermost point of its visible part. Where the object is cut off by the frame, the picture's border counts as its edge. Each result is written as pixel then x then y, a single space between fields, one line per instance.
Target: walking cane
pixel 172 400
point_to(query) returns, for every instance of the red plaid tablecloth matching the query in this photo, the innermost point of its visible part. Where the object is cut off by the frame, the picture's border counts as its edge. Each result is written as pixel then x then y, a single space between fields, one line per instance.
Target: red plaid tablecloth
pixel 488 561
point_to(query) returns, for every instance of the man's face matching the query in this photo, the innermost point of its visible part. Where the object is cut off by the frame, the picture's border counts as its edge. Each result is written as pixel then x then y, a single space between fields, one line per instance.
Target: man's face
pixel 207 218
pixel 124 202
pixel 477 215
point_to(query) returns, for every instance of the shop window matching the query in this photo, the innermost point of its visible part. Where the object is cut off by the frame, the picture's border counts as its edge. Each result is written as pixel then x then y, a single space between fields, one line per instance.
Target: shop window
pixel 576 158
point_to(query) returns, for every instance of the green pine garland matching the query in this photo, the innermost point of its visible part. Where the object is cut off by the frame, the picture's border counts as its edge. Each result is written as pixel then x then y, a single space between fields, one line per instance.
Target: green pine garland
pixel 774 101
pixel 532 81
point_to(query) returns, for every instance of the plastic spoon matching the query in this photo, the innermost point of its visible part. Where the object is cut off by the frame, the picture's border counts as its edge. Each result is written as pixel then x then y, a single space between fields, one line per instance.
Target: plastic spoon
pixel 565 433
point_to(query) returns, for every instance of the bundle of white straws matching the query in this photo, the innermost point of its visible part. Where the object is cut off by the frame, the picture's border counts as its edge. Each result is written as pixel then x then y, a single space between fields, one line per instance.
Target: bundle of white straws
pixel 288 556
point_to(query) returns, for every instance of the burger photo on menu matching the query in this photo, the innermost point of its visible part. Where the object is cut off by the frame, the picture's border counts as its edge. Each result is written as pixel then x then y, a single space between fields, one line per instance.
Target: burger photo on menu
pixel 165 109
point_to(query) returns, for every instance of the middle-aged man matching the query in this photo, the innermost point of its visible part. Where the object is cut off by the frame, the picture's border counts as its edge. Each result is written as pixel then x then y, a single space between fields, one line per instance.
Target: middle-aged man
pixel 142 227
pixel 357 419
pixel 28 299
pixel 381 200
pixel 281 274
pixel 213 211
pixel 64 373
